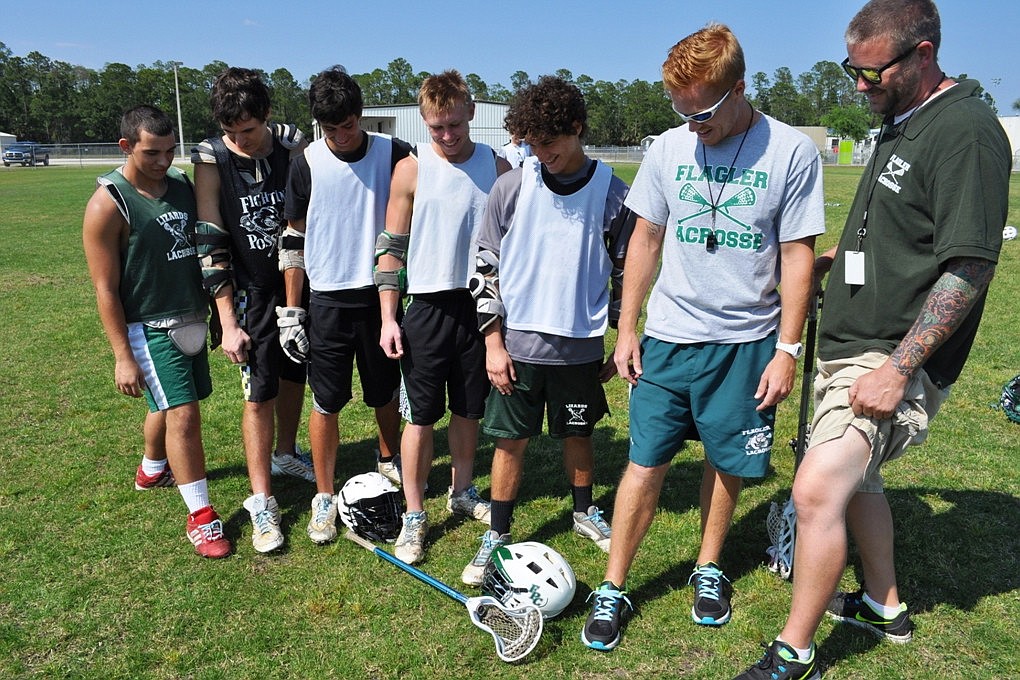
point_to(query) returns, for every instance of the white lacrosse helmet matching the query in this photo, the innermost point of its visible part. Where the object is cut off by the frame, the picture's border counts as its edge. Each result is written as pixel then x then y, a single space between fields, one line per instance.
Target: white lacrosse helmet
pixel 530 573
pixel 1008 232
pixel 371 506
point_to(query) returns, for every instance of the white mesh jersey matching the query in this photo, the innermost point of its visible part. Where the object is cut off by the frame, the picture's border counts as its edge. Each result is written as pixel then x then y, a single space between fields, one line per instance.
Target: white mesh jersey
pixel 346 212
pixel 449 204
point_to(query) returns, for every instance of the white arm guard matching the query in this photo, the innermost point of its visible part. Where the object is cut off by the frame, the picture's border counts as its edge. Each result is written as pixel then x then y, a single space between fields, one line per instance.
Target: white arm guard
pixel 484 286
pixel 292 249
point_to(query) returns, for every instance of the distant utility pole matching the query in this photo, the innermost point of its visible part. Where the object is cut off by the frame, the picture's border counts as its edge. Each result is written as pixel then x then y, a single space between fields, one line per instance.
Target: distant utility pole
pixel 177 90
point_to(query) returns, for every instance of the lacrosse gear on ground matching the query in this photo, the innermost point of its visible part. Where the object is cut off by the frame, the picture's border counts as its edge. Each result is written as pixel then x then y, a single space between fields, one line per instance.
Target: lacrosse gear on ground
pixel 213 244
pixel 530 573
pixel 292 249
pixel 293 338
pixel 484 287
pixel 371 506
pixel 781 523
pixel 1008 232
pixel 515 631
pixel 1009 402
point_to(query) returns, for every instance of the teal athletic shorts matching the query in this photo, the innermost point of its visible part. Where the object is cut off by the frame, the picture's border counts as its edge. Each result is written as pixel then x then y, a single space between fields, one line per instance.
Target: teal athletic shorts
pixel 702 391
pixel 172 378
pixel 573 394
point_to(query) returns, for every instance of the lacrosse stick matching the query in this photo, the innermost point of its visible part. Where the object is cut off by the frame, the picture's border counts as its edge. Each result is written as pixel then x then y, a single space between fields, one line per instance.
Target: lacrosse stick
pixel 781 522
pixel 515 631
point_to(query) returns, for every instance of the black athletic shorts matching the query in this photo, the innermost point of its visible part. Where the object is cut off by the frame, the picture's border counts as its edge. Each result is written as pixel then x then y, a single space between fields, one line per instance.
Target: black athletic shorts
pixel 255 309
pixel 336 337
pixel 444 355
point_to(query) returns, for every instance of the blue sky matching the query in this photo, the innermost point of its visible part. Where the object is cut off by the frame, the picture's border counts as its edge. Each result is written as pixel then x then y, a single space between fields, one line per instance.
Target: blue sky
pixel 605 40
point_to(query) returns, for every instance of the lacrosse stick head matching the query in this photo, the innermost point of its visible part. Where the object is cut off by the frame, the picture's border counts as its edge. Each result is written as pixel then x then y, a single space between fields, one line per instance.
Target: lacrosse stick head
pixel 781 524
pixel 515 631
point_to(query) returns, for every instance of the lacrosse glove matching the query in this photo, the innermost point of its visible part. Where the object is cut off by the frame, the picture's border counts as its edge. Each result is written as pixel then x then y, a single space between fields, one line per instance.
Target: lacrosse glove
pixel 293 338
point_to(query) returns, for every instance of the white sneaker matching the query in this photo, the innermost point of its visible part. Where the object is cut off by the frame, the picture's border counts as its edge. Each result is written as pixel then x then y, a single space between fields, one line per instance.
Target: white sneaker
pixel 298 464
pixel 468 504
pixel 322 525
pixel 592 525
pixel 410 545
pixel 389 469
pixel 474 572
pixel 265 522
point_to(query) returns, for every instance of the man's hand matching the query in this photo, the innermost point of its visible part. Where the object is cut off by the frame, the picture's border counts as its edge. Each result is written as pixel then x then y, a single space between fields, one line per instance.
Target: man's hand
pixel 390 339
pixel 777 381
pixel 500 368
pixel 878 393
pixel 235 343
pixel 293 338
pixel 128 377
pixel 627 356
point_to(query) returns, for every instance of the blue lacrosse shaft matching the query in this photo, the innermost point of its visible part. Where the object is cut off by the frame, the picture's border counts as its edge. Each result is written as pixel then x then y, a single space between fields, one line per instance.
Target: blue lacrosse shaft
pixel 417 573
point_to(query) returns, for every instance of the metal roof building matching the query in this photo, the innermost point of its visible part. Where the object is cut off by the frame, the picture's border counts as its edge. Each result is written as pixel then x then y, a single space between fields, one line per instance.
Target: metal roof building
pixel 404 122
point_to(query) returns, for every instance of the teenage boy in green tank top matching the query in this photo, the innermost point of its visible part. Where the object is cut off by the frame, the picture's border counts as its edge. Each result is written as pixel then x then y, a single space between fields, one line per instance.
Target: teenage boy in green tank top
pixel 139 239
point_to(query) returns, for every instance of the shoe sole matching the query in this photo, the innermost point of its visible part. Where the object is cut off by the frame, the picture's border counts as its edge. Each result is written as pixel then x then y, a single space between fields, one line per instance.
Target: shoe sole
pixel 877 632
pixel 594 536
pixel 600 646
pixel 708 620
pixel 322 539
pixel 269 547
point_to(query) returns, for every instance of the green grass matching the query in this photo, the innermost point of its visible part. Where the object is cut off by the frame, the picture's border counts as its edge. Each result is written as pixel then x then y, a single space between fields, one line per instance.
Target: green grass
pixel 98 580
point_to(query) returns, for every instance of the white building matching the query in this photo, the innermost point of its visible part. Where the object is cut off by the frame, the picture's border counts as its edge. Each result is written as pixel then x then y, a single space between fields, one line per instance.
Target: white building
pixel 404 122
pixel 6 139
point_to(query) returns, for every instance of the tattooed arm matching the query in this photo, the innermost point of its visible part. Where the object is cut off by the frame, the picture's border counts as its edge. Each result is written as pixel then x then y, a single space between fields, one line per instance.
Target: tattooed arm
pixel 877 393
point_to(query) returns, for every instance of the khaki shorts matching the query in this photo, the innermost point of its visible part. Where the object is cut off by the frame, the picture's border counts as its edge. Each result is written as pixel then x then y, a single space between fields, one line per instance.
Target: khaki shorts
pixel 889 438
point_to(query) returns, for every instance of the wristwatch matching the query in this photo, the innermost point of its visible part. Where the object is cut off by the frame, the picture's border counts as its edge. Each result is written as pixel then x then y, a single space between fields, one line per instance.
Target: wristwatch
pixel 794 350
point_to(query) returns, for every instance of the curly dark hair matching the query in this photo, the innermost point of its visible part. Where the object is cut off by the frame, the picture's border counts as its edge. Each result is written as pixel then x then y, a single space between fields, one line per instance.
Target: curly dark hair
pixel 549 108
pixel 334 96
pixel 238 94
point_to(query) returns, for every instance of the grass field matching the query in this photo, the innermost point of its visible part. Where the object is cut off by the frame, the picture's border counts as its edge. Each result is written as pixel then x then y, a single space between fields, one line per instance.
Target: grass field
pixel 98 581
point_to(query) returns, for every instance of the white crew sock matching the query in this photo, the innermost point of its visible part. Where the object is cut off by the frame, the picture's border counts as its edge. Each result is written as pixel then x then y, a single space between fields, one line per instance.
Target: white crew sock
pixel 153 467
pixel 195 494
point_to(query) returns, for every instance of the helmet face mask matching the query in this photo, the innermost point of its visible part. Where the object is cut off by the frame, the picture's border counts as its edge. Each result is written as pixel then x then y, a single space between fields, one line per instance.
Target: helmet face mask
pixel 530 574
pixel 371 506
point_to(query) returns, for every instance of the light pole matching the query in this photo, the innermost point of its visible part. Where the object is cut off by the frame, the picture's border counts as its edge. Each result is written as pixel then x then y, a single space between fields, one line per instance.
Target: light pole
pixel 177 90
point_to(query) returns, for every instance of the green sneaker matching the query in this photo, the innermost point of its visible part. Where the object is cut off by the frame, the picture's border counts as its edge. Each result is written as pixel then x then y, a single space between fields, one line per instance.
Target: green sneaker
pixel 851 608
pixel 780 662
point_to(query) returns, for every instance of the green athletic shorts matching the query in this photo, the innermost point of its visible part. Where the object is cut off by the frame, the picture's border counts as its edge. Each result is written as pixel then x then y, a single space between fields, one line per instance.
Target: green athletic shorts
pixel 573 394
pixel 705 391
pixel 172 378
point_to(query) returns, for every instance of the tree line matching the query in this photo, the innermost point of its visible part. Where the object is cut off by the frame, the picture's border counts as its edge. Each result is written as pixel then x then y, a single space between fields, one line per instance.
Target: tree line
pixel 56 102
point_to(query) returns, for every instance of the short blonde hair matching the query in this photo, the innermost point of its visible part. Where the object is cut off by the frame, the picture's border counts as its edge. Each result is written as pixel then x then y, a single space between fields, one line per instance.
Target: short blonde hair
pixel 711 56
pixel 442 92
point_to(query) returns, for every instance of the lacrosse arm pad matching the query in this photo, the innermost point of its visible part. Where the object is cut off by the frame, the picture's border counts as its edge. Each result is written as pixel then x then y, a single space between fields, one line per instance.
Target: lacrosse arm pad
pixel 292 249
pixel 213 243
pixel 484 287
pixel 391 280
pixel 615 296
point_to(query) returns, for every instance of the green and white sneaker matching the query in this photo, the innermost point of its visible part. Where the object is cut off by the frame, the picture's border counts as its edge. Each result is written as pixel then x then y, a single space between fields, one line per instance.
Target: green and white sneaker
pixel 410 545
pixel 475 570
pixel 265 522
pixel 851 608
pixel 468 503
pixel 780 662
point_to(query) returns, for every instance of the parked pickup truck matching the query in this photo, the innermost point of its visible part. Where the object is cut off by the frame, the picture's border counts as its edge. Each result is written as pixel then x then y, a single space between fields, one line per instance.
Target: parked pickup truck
pixel 26 153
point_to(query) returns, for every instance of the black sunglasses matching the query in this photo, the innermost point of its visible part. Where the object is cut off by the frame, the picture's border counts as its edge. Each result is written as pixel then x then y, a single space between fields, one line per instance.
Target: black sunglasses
pixel 873 75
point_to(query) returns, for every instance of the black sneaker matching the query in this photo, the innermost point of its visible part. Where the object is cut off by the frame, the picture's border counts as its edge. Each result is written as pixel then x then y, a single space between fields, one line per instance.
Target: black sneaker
pixel 712 592
pixel 602 629
pixel 780 662
pixel 851 608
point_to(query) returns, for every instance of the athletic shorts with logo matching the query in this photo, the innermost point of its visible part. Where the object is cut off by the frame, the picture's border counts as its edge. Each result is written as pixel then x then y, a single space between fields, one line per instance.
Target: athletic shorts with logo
pixel 172 378
pixel 267 364
pixel 444 355
pixel 707 389
pixel 337 336
pixel 572 396
pixel 890 437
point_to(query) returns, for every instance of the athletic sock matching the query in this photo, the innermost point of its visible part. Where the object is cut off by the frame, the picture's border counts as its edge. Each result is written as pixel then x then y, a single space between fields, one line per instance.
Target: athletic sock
pixel 582 496
pixel 802 654
pixel 612 586
pixel 501 513
pixel 153 467
pixel 887 613
pixel 385 459
pixel 195 494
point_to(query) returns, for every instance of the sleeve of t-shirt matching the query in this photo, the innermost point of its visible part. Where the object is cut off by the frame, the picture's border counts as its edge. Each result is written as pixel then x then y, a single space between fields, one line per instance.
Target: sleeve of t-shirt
pixel 290 135
pixel 646 197
pixel 203 153
pixel 803 211
pixel 499 210
pixel 299 189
